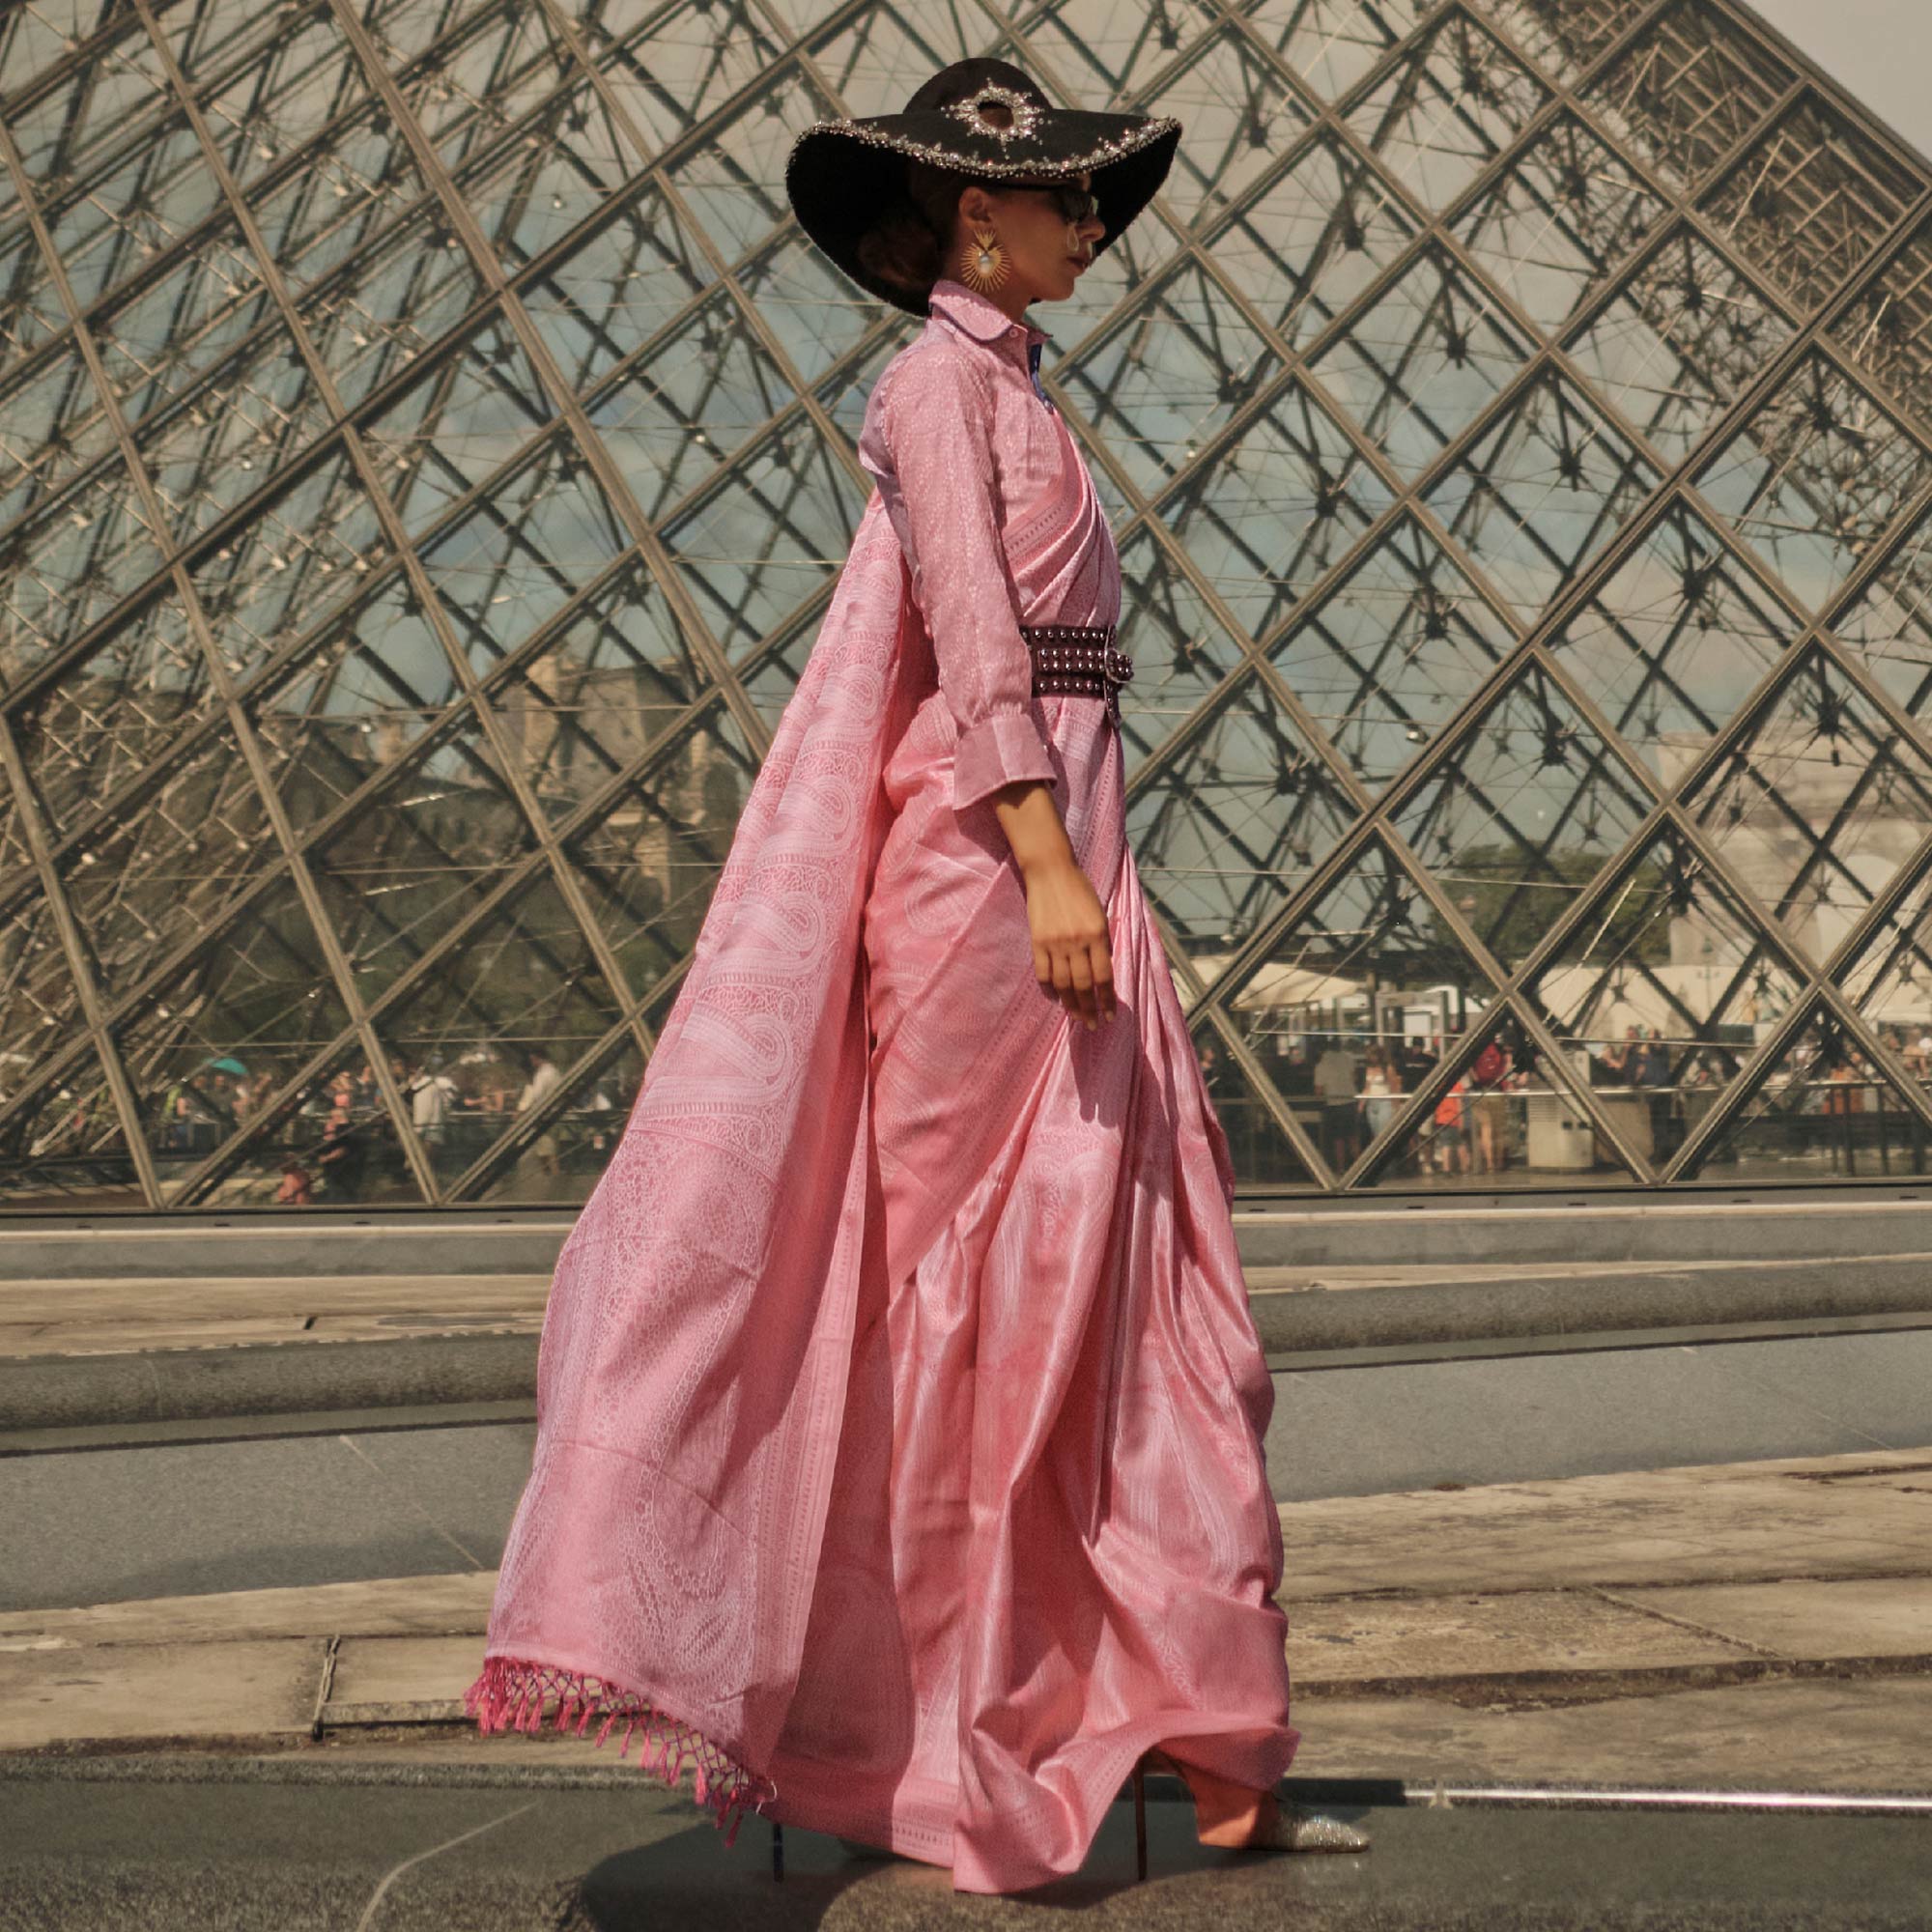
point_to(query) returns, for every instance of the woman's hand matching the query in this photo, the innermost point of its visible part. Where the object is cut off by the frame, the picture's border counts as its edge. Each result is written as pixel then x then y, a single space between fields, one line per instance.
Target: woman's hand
pixel 1072 958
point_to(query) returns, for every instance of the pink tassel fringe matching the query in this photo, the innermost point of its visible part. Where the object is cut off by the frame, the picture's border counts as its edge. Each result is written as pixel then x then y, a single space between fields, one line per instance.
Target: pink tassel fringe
pixel 511 1692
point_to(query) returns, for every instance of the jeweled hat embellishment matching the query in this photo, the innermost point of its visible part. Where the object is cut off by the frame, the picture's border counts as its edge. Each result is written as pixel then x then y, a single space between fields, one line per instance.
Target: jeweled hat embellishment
pixel 1001 113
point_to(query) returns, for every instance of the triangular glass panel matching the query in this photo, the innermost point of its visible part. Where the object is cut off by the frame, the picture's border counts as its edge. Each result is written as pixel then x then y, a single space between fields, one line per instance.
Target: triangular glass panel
pixel 1506 1117
pixel 805 299
pixel 1112 53
pixel 1261 1150
pixel 1677 638
pixel 353 702
pixel 1332 44
pixel 1679 339
pixel 1229 824
pixel 211 1050
pixel 183 326
pixel 506 81
pixel 42 1013
pixel 1181 651
pixel 1563 41
pixel 415 858
pixel 521 988
pixel 1266 515
pixel 1169 377
pixel 217 451
pixel 506 567
pixel 650 859
pixel 1540 491
pixel 610 676
pixel 1885 628
pixel 1665 990
pixel 567 1146
pixel 1823 1111
pixel 1560 220
pixel 291 567
pixel 1884 329
pixel 873 56
pixel 1810 200
pixel 674 419
pixel 764 538
pixel 144 186
pixel 107 716
pixel 65 1150
pixel 52 427
pixel 470 413
pixel 1889 978
pixel 31 311
pixel 1520 814
pixel 271 102
pixel 1370 972
pixel 66 123
pixel 681 68
pixel 73 561
pixel 161 870
pixel 1311 238
pixel 1817 805
pixel 32 42
pixel 1454 99
pixel 1688 90
pixel 1422 362
pixel 1239 114
pixel 1388 654
pixel 1816 478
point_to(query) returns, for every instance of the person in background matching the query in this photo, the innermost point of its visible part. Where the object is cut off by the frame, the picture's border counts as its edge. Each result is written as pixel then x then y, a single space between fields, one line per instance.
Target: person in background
pixel 543 1081
pixel 1450 1149
pixel 1382 1082
pixel 1335 1089
pixel 1488 1078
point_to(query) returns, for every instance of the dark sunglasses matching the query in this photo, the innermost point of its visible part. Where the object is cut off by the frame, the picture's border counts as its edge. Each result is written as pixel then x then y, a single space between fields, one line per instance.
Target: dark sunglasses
pixel 1075 202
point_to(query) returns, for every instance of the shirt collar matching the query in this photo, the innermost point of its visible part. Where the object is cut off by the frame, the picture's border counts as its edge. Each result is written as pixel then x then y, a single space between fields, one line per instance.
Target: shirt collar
pixel 982 320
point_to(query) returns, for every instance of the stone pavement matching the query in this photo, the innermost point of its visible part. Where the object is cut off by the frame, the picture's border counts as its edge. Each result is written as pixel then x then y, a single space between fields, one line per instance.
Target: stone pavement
pixel 1765 1625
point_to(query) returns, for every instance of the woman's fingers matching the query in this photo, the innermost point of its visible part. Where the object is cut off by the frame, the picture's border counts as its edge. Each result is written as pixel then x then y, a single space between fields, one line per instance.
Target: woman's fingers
pixel 1081 977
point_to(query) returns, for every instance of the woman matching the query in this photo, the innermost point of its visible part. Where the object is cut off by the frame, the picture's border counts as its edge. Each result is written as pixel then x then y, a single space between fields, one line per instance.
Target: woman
pixel 1381 1083
pixel 899 1409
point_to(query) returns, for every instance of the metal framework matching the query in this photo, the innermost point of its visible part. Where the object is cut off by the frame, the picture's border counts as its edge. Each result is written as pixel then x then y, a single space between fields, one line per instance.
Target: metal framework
pixel 426 452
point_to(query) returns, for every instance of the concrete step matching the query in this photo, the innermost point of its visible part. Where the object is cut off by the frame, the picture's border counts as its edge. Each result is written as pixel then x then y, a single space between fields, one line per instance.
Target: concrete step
pixel 79 1353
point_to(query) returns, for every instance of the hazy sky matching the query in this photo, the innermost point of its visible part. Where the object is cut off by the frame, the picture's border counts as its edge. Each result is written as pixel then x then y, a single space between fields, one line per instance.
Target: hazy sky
pixel 1880 49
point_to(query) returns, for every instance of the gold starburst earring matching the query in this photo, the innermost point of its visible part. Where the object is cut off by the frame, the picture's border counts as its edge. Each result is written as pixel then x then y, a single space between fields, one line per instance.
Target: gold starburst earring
pixel 983 265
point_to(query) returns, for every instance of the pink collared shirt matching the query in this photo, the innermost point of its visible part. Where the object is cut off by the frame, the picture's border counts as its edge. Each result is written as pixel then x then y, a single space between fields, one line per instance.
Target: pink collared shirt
pixel 964 447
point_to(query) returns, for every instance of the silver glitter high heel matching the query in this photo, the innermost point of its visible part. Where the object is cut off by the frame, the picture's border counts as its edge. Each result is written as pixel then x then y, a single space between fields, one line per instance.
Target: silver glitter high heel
pixel 1293 1827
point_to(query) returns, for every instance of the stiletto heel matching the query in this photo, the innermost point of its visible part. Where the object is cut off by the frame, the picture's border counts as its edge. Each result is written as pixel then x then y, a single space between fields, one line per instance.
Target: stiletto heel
pixel 1140 1818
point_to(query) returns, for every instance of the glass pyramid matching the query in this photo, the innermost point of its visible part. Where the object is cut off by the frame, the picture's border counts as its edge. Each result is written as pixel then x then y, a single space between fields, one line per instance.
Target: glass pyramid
pixel 426 452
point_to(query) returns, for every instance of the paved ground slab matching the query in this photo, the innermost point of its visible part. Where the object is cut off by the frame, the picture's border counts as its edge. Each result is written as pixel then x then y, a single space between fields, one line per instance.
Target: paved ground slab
pixel 387 1856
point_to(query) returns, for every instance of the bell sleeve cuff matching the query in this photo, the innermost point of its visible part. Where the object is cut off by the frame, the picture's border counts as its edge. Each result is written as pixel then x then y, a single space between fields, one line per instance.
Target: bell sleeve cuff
pixel 1000 749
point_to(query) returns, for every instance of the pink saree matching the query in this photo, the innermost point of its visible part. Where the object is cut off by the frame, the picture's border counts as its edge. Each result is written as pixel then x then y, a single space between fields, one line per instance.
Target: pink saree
pixel 899 1409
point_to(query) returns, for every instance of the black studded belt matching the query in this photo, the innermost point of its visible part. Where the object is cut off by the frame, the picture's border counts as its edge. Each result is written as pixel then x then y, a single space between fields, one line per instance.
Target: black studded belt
pixel 1078 658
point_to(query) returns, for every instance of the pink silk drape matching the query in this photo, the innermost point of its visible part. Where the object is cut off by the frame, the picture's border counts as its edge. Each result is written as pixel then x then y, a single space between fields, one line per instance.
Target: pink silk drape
pixel 899 1409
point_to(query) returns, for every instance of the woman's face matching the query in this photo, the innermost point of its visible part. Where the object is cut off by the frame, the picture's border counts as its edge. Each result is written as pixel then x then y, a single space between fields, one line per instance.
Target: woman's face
pixel 1046 252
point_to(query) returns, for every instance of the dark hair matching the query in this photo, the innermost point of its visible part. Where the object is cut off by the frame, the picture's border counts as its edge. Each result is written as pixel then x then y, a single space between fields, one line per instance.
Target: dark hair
pixel 907 246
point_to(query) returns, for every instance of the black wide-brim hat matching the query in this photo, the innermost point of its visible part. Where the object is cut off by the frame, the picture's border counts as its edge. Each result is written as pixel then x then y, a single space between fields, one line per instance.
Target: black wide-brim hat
pixel 978 118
